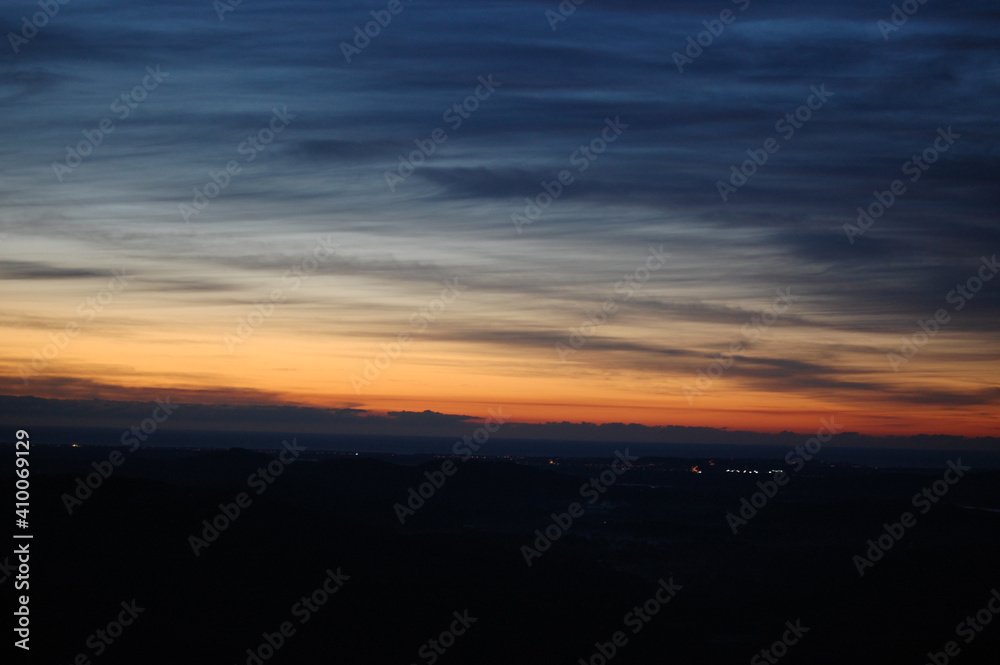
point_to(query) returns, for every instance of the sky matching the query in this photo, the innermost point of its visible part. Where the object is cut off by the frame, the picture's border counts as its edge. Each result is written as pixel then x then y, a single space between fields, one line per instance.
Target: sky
pixel 630 212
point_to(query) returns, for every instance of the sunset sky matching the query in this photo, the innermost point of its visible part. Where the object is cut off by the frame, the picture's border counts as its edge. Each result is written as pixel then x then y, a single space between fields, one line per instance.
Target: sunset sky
pixel 321 252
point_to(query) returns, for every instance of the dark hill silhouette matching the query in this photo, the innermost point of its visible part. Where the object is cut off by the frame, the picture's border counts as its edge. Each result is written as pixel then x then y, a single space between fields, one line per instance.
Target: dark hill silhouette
pixel 461 551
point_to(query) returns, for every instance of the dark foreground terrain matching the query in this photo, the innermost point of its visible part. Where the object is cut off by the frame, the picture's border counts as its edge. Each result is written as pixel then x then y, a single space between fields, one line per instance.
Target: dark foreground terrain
pixel 135 571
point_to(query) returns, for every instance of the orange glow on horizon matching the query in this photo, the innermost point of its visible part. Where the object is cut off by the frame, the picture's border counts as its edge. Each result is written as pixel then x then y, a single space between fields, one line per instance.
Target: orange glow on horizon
pixel 144 358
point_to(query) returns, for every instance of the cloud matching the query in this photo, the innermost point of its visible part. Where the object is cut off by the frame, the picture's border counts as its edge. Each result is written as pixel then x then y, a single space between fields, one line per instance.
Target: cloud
pixel 324 175
pixel 35 413
pixel 32 270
